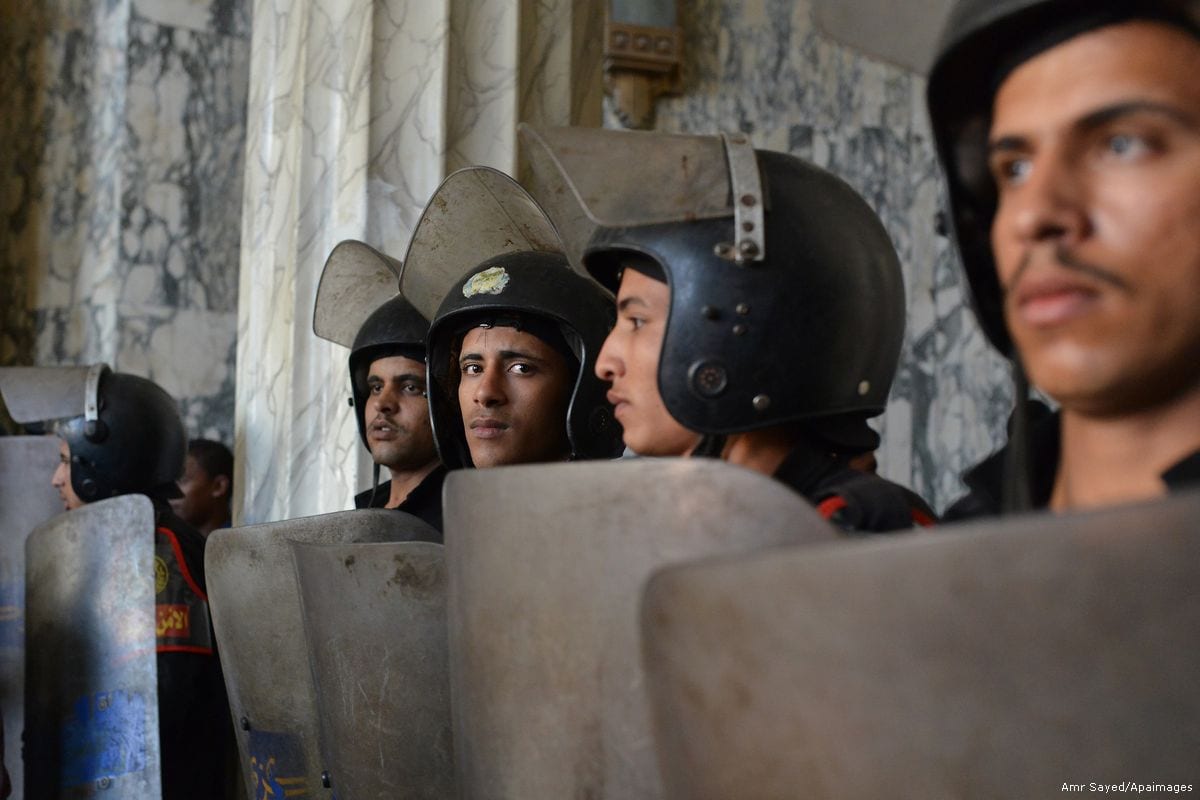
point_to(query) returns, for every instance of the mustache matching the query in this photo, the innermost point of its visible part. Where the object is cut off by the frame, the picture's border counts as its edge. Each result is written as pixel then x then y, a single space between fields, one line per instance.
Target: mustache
pixel 1067 260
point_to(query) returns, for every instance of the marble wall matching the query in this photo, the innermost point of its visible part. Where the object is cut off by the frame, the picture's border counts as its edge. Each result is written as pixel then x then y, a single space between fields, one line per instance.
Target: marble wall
pixel 123 209
pixel 357 110
pixel 758 66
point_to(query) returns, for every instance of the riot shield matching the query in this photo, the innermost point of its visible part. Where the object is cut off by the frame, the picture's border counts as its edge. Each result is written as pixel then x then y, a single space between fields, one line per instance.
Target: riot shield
pixel 996 659
pixel 501 217
pixel 91 694
pixel 545 568
pixel 26 500
pixel 255 604
pixel 900 32
pixel 375 621
pixel 356 280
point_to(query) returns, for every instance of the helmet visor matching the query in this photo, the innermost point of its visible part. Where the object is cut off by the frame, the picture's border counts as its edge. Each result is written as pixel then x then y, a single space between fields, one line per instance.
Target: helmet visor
pixel 476 214
pixel 661 178
pixel 904 34
pixel 357 279
pixel 36 394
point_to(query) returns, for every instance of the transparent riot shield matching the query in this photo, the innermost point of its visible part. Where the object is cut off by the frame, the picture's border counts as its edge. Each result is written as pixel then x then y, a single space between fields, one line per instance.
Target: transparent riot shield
pixel 546 565
pixel 91 702
pixel 356 280
pixel 501 218
pixel 901 32
pixel 375 622
pixel 26 500
pixel 997 659
pixel 255 604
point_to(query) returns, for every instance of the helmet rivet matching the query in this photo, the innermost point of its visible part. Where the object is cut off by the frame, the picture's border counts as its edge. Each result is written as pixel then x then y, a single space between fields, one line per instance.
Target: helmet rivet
pixel 747 226
pixel 748 200
pixel 743 309
pixel 708 379
pixel 723 250
pixel 761 402
pixel 711 312
pixel 864 387
pixel 739 329
pixel 748 249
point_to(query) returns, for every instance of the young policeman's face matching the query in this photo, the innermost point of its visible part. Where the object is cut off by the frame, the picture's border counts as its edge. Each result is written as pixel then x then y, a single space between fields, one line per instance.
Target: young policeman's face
pixel 513 391
pixel 204 495
pixel 1095 150
pixel 61 479
pixel 397 414
pixel 629 362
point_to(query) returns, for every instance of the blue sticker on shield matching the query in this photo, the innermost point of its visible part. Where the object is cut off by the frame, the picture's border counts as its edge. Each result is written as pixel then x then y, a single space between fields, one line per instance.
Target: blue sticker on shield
pixel 277 766
pixel 104 736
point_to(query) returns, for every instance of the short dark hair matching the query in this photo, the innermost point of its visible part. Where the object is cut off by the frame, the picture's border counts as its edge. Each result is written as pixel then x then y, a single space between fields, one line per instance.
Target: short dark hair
pixel 213 457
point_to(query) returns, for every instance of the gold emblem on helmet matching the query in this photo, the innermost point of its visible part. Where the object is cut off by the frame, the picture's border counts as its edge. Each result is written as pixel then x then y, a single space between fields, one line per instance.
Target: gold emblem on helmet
pixel 490 281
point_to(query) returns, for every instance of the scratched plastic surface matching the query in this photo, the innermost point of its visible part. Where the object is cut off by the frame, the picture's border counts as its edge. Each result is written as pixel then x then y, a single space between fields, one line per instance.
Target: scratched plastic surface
pixel 255 603
pixel 91 714
pixel 375 620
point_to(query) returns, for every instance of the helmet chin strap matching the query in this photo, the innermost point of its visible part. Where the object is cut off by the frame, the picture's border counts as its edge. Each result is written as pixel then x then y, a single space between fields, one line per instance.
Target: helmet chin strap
pixel 711 445
pixel 374 484
pixel 1016 493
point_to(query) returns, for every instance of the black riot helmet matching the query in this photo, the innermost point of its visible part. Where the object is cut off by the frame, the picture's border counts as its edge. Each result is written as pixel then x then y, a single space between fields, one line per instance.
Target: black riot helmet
pixel 539 293
pixel 357 306
pixel 982 42
pixel 787 300
pixel 393 329
pixel 124 432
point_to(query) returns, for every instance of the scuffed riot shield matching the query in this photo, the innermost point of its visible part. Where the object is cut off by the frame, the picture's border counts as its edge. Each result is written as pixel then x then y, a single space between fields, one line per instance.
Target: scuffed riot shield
pixel 356 280
pixel 901 32
pixel 91 702
pixel 255 604
pixel 1000 659
pixel 26 500
pixel 375 621
pixel 501 218
pixel 546 565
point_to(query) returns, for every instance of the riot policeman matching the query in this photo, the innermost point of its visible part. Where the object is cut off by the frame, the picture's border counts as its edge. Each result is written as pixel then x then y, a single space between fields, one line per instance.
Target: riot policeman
pixel 387 377
pixel 130 440
pixel 515 335
pixel 1070 137
pixel 760 305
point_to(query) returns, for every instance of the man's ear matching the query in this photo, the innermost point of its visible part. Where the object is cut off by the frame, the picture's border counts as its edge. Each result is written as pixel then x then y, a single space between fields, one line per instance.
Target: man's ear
pixel 220 486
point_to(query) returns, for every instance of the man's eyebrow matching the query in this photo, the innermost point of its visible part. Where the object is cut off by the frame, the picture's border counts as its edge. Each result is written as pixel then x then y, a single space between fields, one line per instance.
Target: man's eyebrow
pixel 464 357
pixel 519 355
pixel 626 302
pixel 1103 116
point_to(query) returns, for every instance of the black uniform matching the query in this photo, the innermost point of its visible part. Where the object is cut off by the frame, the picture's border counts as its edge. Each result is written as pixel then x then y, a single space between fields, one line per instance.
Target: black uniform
pixel 986 480
pixel 853 500
pixel 195 731
pixel 424 502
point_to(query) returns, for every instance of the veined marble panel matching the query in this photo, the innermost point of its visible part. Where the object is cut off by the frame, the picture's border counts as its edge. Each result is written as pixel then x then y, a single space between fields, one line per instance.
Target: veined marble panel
pixel 482 111
pixel 758 66
pixel 131 215
pixel 228 17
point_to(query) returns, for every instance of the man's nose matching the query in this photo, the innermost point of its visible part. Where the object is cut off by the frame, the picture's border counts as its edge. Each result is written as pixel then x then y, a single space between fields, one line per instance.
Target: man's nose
pixel 608 365
pixel 489 389
pixel 1051 204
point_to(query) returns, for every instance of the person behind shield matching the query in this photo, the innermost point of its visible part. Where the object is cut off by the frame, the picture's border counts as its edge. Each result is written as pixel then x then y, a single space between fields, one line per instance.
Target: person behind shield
pixel 770 351
pixel 1070 137
pixel 511 351
pixel 136 445
pixel 207 486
